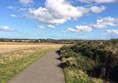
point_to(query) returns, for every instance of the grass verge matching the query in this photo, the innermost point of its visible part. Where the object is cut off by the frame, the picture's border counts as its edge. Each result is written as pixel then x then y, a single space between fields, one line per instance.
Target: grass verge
pixel 7 71
pixel 73 75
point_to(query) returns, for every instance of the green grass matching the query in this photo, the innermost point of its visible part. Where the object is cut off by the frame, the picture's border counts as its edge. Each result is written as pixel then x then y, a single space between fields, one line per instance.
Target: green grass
pixel 73 75
pixel 7 71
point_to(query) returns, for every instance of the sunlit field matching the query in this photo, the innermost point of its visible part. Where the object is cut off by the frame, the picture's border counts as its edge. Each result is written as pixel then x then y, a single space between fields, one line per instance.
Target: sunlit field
pixel 14 57
pixel 14 51
pixel 10 46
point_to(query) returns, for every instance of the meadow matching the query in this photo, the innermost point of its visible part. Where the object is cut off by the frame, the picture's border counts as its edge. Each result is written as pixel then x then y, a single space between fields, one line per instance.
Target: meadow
pixel 14 57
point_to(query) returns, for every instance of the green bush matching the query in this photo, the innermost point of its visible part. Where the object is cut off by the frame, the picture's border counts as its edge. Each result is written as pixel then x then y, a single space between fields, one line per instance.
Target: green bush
pixel 96 58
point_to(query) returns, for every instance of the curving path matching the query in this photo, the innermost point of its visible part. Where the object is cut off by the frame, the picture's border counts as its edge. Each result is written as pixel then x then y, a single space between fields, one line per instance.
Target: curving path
pixel 45 70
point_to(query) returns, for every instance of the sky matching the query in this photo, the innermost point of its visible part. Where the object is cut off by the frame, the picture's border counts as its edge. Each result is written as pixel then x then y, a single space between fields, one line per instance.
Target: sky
pixel 59 19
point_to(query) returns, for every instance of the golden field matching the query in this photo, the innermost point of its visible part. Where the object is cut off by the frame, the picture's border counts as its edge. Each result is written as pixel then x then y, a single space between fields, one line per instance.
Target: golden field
pixel 15 57
pixel 10 46
pixel 10 51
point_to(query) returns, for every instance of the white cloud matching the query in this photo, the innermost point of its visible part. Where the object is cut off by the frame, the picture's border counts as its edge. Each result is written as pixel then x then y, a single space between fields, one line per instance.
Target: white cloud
pixel 11 7
pixel 63 8
pixel 71 30
pixel 56 12
pixel 105 22
pixel 26 2
pixel 51 26
pixel 79 28
pixel 6 28
pixel 84 28
pixel 100 23
pixel 97 1
pixel 113 31
pixel 13 15
pixel 104 1
pixel 44 16
pixel 23 9
pixel 96 9
pixel 40 27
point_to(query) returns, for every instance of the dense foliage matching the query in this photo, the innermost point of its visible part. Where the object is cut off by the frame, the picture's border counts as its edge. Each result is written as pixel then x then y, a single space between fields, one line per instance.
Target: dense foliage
pixel 96 58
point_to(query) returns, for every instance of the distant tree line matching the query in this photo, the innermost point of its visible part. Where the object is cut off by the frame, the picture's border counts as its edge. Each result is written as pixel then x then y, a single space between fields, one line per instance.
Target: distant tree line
pixel 61 41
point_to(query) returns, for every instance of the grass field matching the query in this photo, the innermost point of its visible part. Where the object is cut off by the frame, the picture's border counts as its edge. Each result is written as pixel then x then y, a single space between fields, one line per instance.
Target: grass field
pixel 10 46
pixel 14 57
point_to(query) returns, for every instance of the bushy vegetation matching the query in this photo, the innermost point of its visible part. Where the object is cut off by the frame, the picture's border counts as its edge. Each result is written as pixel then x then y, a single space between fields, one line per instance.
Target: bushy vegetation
pixel 97 59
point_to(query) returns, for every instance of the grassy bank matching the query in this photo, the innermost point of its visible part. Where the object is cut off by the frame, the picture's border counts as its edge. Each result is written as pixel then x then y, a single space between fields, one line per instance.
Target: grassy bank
pixel 15 65
pixel 90 62
pixel 73 75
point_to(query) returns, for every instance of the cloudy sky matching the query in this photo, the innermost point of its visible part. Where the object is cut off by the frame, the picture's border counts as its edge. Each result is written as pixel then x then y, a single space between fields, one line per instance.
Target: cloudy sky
pixel 59 19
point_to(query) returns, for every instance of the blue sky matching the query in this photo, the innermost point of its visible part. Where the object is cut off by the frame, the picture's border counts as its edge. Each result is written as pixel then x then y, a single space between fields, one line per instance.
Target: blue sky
pixel 59 19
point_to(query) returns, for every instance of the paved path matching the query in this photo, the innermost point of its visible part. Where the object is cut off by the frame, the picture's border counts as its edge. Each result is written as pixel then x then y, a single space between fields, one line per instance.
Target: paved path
pixel 45 70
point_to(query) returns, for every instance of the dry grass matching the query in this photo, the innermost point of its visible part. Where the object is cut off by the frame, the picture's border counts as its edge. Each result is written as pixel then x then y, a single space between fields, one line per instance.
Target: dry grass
pixel 10 46
pixel 13 51
pixel 16 57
